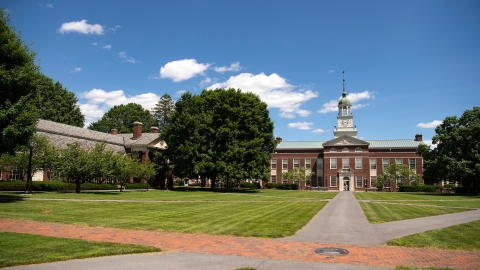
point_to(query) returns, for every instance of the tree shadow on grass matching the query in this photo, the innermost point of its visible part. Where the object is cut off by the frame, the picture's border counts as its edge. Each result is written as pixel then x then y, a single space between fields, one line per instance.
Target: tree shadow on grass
pixel 7 198
pixel 450 195
pixel 219 190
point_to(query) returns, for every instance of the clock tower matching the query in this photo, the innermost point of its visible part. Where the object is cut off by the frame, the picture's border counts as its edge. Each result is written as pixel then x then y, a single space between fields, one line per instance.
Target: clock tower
pixel 345 116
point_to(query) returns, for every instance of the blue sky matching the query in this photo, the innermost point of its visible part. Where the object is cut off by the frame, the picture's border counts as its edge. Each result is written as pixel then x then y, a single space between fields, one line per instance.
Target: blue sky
pixel 408 64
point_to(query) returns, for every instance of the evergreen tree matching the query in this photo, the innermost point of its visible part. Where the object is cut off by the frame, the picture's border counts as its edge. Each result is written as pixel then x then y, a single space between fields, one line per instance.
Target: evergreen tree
pixel 163 111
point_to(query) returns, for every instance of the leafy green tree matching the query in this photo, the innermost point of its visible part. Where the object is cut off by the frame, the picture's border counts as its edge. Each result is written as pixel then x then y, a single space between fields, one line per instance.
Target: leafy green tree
pixel 298 174
pixel 457 155
pixel 122 118
pixel 39 154
pixel 19 76
pixel 163 111
pixel 147 170
pixel 398 174
pixel 56 103
pixel 75 165
pixel 220 133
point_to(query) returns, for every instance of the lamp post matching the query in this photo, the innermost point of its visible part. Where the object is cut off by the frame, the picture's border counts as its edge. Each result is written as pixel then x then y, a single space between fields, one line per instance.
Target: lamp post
pixel 167 162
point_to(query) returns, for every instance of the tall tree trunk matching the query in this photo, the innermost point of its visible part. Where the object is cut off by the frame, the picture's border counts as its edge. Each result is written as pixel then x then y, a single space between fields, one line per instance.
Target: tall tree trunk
pixel 77 186
pixel 213 181
pixel 28 187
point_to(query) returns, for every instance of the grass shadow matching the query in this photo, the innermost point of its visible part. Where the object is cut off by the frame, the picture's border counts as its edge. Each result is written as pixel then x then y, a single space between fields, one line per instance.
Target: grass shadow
pixel 7 198
pixel 219 190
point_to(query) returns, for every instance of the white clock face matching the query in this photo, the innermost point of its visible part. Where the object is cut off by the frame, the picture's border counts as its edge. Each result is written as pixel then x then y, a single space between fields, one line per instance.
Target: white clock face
pixel 344 122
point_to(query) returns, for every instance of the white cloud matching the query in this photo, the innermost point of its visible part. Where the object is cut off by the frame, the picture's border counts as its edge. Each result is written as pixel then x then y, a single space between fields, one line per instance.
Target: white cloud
pixel 272 89
pixel 180 92
pixel 432 124
pixel 99 101
pixel 206 81
pixel 332 105
pixel 107 47
pixel 233 67
pixel 318 130
pixel 430 143
pixel 77 69
pixel 49 5
pixel 125 58
pixel 81 27
pixel 94 43
pixel 300 125
pixel 114 29
pixel 181 70
pixel 331 70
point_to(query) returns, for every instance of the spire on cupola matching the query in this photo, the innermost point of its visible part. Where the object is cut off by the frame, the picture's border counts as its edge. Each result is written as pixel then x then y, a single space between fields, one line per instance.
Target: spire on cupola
pixel 344 101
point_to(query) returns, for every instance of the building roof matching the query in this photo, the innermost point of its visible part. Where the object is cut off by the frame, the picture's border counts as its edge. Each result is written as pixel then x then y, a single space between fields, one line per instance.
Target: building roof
pixel 62 135
pixel 374 144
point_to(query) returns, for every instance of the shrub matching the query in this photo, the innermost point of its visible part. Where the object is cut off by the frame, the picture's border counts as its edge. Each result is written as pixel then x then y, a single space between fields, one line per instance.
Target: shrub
pixel 93 186
pixel 269 185
pixel 247 185
pixel 420 188
pixel 286 186
pixel 12 185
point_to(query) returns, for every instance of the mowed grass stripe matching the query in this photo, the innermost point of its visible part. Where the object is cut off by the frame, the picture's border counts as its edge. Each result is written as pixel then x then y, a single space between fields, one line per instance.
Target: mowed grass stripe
pixel 269 219
pixel 459 237
pixel 193 195
pixel 401 196
pixel 380 213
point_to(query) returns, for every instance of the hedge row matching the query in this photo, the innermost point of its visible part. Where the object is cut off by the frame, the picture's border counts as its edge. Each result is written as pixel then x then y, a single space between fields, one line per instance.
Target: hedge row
pixel 420 188
pixel 282 186
pixel 63 186
pixel 248 185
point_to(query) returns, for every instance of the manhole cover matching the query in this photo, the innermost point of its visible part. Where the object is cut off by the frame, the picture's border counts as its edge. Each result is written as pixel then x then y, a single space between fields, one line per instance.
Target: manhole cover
pixel 331 252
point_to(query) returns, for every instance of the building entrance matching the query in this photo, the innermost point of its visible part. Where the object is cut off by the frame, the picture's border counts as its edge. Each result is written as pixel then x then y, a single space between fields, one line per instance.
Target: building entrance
pixel 346 182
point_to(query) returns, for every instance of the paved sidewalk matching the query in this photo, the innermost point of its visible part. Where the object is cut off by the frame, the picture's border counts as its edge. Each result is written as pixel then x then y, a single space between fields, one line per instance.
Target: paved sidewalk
pixel 342 221
pixel 383 256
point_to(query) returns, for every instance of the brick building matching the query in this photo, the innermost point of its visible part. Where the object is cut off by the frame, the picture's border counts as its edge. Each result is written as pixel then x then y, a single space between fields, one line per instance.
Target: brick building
pixel 345 162
pixel 62 135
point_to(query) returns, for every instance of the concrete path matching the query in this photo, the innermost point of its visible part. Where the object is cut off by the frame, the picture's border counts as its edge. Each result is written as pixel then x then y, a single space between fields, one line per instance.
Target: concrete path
pixel 183 260
pixel 342 221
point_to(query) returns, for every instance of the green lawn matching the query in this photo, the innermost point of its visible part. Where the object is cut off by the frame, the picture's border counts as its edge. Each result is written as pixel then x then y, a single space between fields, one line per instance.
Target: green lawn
pixel 22 249
pixel 192 194
pixel 392 206
pixel 459 237
pixel 269 213
pixel 380 213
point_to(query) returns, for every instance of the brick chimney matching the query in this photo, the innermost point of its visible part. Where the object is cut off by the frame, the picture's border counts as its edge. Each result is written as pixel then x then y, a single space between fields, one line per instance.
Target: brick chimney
pixel 418 137
pixel 137 130
pixel 154 130
pixel 114 131
pixel 279 140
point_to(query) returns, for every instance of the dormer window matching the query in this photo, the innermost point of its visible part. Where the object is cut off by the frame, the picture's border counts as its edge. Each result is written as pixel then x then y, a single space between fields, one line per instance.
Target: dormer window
pixel 333 150
pixel 345 149
pixel 358 149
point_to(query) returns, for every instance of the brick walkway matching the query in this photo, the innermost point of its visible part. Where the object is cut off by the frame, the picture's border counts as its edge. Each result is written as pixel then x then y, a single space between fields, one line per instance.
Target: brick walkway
pixel 254 247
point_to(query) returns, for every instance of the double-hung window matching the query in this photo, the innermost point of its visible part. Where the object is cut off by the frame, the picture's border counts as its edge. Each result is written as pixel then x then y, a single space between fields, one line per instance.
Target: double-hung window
pixel 284 164
pixel 274 179
pixel 385 162
pixel 359 181
pixel 358 163
pixel 345 163
pixel 373 164
pixel 274 164
pixel 296 163
pixel 333 181
pixel 373 180
pixel 411 163
pixel 333 163
pixel 308 164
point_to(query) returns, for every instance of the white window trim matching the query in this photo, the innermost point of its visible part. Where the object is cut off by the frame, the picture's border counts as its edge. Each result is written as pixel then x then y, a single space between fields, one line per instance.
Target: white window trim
pixel 331 167
pixel 336 180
